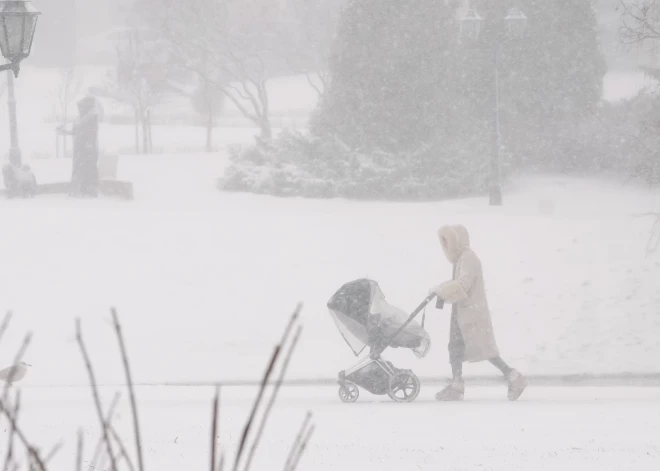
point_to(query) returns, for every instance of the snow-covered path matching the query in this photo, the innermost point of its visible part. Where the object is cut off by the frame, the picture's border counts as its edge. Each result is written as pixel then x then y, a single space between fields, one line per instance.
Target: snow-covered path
pixel 586 429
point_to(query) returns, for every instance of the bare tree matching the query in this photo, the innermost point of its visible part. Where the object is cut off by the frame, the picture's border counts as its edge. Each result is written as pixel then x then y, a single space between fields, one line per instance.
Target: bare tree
pixel 315 23
pixel 208 100
pixel 640 26
pixel 640 21
pixel 142 78
pixel 222 42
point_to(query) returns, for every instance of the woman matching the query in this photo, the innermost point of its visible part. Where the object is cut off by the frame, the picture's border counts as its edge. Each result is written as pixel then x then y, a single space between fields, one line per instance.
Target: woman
pixel 471 336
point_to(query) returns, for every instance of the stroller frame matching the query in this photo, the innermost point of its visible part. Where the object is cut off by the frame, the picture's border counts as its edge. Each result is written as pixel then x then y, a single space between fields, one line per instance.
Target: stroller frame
pixel 382 377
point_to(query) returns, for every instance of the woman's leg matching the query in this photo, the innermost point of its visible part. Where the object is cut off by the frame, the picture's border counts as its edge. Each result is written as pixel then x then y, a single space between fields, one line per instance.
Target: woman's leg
pixel 501 365
pixel 456 347
pixel 517 382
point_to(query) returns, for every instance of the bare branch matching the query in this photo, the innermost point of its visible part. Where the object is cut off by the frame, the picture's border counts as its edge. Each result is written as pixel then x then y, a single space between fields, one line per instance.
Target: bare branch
pixel 31 450
pixel 303 447
pixel 58 446
pixel 79 451
pixel 214 427
pixel 12 433
pixel 296 444
pixel 122 449
pixel 108 421
pixel 95 394
pixel 131 392
pixel 269 406
pixel 5 324
pixel 257 401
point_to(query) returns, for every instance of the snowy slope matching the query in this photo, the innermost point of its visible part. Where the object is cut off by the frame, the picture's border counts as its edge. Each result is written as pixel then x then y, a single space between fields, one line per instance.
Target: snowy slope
pixel 205 281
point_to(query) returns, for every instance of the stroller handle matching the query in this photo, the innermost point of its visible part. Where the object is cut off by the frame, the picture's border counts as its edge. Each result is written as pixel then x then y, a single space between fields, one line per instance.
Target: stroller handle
pixel 417 310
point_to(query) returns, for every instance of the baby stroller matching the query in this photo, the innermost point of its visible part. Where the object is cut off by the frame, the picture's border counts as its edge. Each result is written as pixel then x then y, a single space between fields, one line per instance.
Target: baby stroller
pixel 365 319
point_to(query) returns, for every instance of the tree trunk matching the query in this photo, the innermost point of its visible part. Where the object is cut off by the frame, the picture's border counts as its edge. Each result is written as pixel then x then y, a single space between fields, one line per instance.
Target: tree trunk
pixel 209 130
pixel 145 133
pixel 137 132
pixel 266 129
pixel 150 128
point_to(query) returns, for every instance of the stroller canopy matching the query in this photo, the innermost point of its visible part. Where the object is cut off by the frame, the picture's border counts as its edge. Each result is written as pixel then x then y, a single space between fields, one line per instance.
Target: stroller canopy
pixel 364 318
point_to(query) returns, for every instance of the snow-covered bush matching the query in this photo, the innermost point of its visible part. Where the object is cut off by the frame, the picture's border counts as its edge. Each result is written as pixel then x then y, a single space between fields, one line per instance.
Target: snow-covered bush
pixel 296 164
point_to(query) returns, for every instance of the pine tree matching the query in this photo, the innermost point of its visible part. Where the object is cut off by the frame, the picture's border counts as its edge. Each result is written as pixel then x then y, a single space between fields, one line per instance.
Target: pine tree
pixel 389 74
pixel 549 79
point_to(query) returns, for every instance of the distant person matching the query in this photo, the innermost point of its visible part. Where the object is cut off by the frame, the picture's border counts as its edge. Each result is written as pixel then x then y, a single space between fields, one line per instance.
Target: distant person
pixel 471 336
pixel 85 130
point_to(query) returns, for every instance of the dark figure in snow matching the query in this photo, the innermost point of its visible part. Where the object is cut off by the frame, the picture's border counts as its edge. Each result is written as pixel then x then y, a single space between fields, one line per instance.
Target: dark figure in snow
pixel 85 174
pixel 471 336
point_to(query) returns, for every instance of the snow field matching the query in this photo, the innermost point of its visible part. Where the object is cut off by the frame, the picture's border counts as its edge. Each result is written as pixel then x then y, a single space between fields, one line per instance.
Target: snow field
pixel 588 429
pixel 204 281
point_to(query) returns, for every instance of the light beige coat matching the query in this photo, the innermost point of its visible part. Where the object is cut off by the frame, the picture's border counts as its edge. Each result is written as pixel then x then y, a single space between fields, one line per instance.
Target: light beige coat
pixel 467 292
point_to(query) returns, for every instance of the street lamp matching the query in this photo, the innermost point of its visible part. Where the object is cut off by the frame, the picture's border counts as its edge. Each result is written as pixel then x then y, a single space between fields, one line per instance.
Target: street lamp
pixel 471 26
pixel 18 22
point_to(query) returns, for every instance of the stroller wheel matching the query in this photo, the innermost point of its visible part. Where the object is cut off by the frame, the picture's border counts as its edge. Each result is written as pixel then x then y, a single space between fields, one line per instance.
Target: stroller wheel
pixel 348 392
pixel 404 387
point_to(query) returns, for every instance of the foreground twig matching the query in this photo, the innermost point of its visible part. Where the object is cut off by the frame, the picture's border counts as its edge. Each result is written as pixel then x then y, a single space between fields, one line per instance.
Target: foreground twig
pixel 214 426
pixel 10 445
pixel 269 406
pixel 296 443
pixel 302 448
pixel 108 420
pixel 5 323
pixel 257 401
pixel 262 388
pixel 79 458
pixel 31 450
pixel 122 448
pixel 131 392
pixel 53 452
pixel 95 393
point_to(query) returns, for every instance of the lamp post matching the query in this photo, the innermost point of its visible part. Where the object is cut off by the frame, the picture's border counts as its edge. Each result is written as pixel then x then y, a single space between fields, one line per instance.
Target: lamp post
pixel 18 22
pixel 471 25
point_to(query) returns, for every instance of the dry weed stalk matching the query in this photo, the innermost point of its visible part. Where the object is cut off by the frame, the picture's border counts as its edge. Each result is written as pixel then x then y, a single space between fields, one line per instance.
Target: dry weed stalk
pixel 214 426
pixel 95 394
pixel 16 432
pixel 109 434
pixel 269 406
pixel 296 443
pixel 302 448
pixel 79 450
pixel 262 388
pixel 9 457
pixel 108 420
pixel 131 392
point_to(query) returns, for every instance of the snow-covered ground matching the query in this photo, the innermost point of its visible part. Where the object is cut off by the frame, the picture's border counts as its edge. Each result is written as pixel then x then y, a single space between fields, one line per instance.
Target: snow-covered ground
pixel 587 429
pixel 205 281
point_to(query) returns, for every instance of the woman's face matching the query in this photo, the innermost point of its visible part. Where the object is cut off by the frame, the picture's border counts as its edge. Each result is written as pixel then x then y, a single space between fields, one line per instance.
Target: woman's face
pixel 445 247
